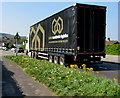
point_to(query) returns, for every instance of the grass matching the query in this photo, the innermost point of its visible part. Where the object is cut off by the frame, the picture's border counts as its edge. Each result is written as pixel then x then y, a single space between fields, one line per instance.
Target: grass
pixel 23 46
pixel 65 81
pixel 113 49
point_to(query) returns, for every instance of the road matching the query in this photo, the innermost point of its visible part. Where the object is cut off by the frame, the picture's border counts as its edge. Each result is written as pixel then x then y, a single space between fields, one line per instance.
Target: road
pixel 108 70
pixel 4 53
pixel 112 58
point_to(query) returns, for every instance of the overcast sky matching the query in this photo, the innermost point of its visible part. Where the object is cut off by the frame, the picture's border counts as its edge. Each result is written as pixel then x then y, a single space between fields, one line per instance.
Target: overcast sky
pixel 19 16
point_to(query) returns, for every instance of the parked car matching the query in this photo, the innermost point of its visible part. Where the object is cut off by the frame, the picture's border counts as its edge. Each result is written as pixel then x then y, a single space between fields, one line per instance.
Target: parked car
pixel 19 50
pixel 13 49
pixel 4 48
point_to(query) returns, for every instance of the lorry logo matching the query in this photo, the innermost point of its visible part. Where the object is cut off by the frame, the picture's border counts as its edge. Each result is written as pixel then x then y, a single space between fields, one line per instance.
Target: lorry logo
pixel 57 25
pixel 36 37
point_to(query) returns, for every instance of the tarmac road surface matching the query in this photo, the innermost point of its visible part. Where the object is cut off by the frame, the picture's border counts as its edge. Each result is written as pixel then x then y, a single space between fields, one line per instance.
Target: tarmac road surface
pixel 112 58
pixel 108 70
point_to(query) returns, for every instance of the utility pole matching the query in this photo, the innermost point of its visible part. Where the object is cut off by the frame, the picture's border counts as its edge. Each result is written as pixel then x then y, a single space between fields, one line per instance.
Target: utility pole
pixel 16 37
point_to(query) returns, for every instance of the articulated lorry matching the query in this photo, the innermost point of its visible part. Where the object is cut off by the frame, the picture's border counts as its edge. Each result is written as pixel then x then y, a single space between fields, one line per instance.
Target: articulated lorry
pixel 73 35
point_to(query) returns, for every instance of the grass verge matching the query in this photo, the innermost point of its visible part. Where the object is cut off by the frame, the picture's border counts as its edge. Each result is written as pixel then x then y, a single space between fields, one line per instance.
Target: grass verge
pixel 66 81
pixel 113 49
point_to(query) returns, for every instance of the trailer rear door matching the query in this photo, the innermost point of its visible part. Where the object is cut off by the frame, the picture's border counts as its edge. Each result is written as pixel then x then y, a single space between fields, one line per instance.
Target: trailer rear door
pixel 91 28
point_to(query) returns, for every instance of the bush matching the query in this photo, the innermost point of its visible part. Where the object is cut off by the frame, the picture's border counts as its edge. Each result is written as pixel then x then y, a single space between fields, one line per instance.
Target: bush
pixel 113 49
pixel 66 81
pixel 9 45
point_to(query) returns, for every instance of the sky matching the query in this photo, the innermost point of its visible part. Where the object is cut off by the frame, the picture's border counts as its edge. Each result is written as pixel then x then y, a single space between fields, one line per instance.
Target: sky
pixel 19 16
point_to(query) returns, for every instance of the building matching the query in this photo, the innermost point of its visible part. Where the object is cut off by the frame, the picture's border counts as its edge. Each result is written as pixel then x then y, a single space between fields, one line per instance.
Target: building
pixel 112 42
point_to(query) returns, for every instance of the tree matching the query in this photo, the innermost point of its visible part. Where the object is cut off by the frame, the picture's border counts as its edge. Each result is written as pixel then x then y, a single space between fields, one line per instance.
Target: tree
pixel 6 45
pixel 10 45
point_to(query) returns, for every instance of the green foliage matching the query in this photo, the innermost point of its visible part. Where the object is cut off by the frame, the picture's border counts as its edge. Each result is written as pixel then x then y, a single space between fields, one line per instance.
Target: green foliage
pixel 21 40
pixel 66 81
pixel 6 45
pixel 113 49
pixel 23 46
pixel 9 45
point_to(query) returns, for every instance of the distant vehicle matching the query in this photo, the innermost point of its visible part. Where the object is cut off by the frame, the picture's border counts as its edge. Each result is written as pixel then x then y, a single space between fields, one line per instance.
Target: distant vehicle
pixel 73 35
pixel 4 48
pixel 13 49
pixel 19 50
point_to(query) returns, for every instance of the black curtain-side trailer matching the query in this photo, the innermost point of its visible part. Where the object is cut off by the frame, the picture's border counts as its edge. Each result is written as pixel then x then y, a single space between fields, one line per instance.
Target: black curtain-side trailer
pixel 75 34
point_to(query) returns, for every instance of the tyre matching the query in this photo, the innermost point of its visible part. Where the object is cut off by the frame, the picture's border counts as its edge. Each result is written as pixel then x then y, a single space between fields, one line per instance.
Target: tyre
pixel 50 58
pixel 35 55
pixel 31 53
pixel 61 60
pixel 56 59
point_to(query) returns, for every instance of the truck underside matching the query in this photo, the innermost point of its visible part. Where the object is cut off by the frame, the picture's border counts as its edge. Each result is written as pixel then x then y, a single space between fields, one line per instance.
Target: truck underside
pixel 67 58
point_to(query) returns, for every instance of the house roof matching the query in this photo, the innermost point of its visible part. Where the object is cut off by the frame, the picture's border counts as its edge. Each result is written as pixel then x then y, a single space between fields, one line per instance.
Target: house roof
pixel 112 42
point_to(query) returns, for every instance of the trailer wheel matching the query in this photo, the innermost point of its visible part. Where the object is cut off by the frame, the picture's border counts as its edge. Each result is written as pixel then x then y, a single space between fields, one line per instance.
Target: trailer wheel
pixel 62 60
pixel 35 55
pixel 50 58
pixel 55 59
pixel 32 54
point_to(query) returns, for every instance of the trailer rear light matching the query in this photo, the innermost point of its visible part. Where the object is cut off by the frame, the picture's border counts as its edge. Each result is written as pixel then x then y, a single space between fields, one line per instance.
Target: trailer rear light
pixel 75 60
